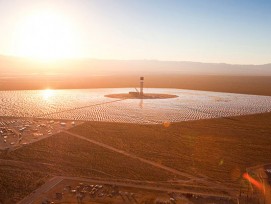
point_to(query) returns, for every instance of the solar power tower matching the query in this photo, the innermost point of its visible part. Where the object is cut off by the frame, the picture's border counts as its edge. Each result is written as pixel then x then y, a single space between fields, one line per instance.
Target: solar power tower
pixel 141 86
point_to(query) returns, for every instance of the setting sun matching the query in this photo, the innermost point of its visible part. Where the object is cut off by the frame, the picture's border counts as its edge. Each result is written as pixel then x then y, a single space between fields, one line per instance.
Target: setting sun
pixel 118 101
pixel 45 35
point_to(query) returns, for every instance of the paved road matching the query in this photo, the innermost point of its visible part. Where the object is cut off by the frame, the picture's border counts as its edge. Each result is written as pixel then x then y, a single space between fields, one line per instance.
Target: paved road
pixel 41 191
pixel 56 180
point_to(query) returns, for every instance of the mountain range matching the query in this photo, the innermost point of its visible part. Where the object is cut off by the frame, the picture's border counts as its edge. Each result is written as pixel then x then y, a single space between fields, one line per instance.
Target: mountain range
pixel 16 66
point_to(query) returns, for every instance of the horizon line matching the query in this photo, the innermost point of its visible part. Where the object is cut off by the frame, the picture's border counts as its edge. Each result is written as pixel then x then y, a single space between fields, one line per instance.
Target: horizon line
pixel 103 59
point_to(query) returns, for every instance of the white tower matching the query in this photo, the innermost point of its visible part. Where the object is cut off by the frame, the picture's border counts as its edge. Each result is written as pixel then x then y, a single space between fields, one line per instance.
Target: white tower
pixel 141 86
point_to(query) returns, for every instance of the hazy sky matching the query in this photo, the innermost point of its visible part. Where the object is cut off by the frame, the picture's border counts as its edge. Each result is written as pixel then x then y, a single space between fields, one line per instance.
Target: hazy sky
pixel 230 31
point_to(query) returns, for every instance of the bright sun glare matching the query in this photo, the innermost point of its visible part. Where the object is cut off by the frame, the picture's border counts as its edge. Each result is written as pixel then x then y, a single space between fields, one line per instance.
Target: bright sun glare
pixel 47 94
pixel 45 35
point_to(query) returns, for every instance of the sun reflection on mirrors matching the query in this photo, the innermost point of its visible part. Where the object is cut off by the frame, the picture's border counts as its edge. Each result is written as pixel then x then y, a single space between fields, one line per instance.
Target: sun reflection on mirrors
pixel 47 94
pixel 141 104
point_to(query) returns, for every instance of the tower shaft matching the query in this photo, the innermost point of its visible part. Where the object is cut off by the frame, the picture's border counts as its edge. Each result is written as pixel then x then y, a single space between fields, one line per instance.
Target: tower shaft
pixel 141 86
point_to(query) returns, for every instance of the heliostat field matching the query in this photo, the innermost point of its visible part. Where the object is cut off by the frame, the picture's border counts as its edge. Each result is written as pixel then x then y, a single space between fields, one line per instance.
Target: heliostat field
pixel 92 105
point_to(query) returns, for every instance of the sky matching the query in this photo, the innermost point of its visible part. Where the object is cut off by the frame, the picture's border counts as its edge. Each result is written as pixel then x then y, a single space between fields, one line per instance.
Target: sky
pixel 218 31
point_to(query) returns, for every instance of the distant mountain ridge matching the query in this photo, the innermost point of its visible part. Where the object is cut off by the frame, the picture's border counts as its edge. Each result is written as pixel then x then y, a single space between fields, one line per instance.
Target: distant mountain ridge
pixel 15 66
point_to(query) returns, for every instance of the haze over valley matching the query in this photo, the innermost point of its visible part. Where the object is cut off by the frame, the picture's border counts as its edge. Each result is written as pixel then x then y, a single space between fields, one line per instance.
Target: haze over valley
pixel 15 66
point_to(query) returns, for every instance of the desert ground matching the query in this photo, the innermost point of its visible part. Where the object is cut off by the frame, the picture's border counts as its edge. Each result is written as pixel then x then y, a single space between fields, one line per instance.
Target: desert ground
pixel 258 85
pixel 206 158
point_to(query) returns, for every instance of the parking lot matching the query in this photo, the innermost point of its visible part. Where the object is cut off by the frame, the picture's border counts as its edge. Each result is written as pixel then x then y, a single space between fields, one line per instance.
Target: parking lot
pixel 16 132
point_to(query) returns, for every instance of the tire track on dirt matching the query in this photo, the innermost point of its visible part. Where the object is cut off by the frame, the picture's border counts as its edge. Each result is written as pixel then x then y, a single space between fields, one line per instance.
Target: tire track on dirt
pixel 152 163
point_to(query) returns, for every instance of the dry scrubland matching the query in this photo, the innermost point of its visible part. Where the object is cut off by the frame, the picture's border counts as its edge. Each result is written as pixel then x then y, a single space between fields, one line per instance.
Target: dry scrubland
pixel 259 85
pixel 219 148
pixel 65 155
pixel 15 183
pixel 79 158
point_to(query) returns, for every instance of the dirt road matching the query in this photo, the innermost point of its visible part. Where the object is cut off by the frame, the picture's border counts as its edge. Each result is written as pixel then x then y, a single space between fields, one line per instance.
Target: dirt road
pixel 155 164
